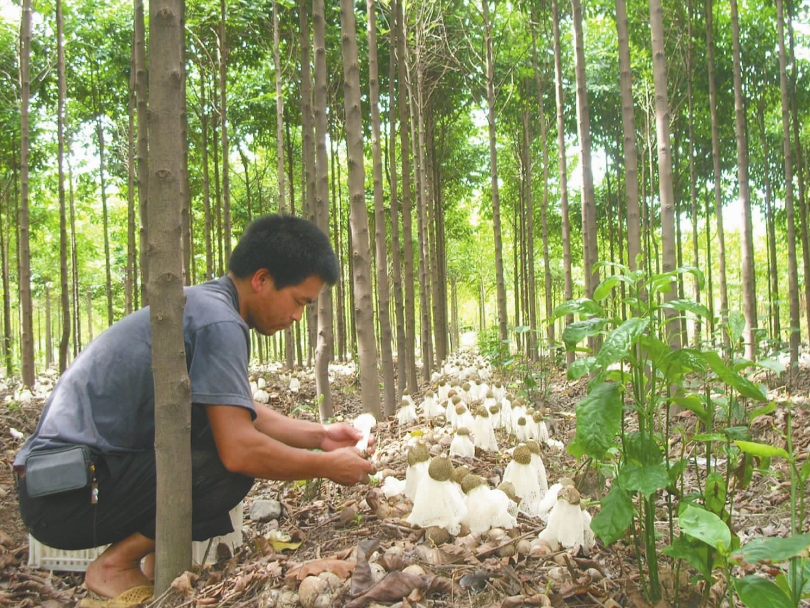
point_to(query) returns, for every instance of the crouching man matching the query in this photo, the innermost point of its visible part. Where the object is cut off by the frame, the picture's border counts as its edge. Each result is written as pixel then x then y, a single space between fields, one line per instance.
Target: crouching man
pixel 102 408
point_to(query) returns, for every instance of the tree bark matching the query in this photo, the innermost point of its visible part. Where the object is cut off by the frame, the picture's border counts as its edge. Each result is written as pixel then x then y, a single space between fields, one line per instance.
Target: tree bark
pixel 142 86
pixel 132 246
pixel 530 282
pixel 358 219
pixel 206 185
pixel 223 117
pixel 693 175
pixel 747 233
pixel 383 291
pixel 64 293
pixel 172 389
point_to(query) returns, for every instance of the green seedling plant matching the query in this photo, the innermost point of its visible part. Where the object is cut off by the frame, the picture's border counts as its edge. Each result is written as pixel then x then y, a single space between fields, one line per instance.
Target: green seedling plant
pixel 638 376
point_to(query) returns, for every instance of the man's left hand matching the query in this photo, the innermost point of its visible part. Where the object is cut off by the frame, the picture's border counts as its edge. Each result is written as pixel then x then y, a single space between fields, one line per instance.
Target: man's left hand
pixel 342 435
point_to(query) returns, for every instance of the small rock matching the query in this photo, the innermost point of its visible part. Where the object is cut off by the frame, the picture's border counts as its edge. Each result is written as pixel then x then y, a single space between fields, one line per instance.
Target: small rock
pixel 265 510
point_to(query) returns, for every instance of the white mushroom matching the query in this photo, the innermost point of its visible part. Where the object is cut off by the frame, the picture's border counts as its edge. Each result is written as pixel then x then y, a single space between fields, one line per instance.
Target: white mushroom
pixel 566 524
pixel 430 406
pixel 406 414
pixel 364 423
pixel 437 503
pixel 521 474
pixel 486 508
pixel 539 466
pixel 462 445
pixel 483 434
pixel 418 462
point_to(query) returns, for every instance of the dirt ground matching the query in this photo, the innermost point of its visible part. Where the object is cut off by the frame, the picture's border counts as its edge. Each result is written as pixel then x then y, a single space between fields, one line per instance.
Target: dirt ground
pixel 355 532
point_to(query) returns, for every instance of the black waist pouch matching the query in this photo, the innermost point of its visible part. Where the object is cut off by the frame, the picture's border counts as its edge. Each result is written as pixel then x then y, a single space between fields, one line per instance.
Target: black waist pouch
pixel 58 470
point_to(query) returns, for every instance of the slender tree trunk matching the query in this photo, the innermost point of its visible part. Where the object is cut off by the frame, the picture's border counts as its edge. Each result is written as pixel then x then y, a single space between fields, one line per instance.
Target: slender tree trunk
pixel 392 157
pixel 5 229
pixel 185 194
pixel 407 232
pixel 358 218
pixel 282 203
pixel 64 298
pixel 325 336
pixel 206 185
pixel 74 262
pixel 531 287
pixel 493 162
pixel 566 225
pixel 665 188
pixel 337 206
pixel 693 175
pixel 773 271
pixel 747 233
pixel 383 291
pixel 223 117
pixel 589 241
pixel 132 247
pixel 142 86
pixel 172 389
pixel 793 274
pixel 48 337
pixel 105 219
pixel 26 303
pixel 718 194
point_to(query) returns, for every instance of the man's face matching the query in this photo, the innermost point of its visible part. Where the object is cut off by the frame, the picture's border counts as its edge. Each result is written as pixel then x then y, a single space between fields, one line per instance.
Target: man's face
pixel 272 309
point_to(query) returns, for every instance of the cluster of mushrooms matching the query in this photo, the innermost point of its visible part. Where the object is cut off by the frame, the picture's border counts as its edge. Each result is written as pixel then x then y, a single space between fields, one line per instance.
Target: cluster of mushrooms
pixel 453 499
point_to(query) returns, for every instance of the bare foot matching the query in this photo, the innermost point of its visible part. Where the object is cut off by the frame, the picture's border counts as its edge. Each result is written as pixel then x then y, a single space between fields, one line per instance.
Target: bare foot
pixel 118 569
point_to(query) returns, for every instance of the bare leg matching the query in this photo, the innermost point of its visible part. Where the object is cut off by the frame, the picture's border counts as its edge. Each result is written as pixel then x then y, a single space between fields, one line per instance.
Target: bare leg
pixel 148 566
pixel 119 567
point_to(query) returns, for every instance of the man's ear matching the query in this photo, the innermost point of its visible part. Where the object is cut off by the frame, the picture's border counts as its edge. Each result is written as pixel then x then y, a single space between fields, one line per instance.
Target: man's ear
pixel 259 278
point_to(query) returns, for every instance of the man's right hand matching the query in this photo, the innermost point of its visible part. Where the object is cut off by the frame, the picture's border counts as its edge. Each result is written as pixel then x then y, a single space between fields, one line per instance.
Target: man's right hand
pixel 348 467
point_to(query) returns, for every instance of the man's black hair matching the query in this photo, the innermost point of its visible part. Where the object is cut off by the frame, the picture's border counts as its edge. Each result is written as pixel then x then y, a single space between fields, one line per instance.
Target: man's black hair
pixel 291 248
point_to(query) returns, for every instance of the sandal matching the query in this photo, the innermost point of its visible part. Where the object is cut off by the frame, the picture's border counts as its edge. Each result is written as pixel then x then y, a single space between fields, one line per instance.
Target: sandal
pixel 128 599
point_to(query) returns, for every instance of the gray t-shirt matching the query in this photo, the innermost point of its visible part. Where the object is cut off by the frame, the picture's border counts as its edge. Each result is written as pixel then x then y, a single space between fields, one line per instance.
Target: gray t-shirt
pixel 106 398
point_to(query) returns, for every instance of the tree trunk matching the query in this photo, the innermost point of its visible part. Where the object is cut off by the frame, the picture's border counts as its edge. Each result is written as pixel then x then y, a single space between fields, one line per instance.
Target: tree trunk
pixel 530 284
pixel 629 139
pixel 141 86
pixel 493 162
pixel 48 337
pixel 282 203
pixel 566 225
pixel 718 194
pixel 64 292
pixel 223 117
pixel 206 185
pixel 383 291
pixel 665 189
pixel 132 246
pixel 26 304
pixel 325 336
pixel 693 175
pixel 747 234
pixel 793 273
pixel 589 245
pixel 773 272
pixel 358 218
pixel 105 220
pixel 407 232
pixel 172 389
pixel 337 206
pixel 74 263
pixel 5 229
pixel 392 158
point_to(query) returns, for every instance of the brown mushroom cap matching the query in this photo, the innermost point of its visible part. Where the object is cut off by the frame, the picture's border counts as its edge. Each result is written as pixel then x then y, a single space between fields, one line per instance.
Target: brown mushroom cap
pixel 482 412
pixel 533 446
pixel 522 421
pixel 440 469
pixel 507 488
pixel 494 409
pixel 490 395
pixel 522 455
pixel 463 430
pixel 455 399
pixel 460 409
pixel 429 395
pixel 471 482
pixel 569 494
pixel 459 473
pixel 418 453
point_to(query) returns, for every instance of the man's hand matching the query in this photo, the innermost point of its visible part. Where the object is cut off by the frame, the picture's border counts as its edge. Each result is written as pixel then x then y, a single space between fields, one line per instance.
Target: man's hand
pixel 342 435
pixel 348 467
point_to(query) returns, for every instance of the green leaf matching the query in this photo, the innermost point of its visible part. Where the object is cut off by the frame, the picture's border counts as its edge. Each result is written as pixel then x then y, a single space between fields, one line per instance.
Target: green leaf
pixel 694 271
pixel 695 553
pixel 763 450
pixel 773 549
pixel 580 367
pixel 606 286
pixel 615 516
pixel 645 479
pixel 736 325
pixel 579 330
pixel 688 306
pixel 705 526
pixel 599 417
pixel 694 404
pixel 642 449
pixel 758 592
pixel 762 411
pixel 714 493
pixel 522 329
pixel 619 342
pixel 742 385
pixel 772 365
pixel 709 437
pixel 582 306
pixel 806 469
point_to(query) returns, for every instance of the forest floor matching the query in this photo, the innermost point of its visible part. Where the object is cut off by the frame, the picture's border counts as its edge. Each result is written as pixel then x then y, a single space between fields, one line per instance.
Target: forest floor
pixel 356 533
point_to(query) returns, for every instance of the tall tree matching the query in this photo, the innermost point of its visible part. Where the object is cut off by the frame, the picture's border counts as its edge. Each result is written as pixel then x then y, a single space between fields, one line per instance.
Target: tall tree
pixel 26 302
pixel 64 340
pixel 747 232
pixel 166 299
pixel 358 218
pixel 383 291
pixel 224 52
pixel 142 87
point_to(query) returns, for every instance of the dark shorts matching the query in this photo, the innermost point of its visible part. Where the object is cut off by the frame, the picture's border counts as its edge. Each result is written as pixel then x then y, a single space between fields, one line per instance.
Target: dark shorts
pixel 127 499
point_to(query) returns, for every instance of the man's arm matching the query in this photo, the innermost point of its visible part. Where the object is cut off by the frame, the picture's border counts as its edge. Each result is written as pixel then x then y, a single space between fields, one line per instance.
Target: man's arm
pixel 244 448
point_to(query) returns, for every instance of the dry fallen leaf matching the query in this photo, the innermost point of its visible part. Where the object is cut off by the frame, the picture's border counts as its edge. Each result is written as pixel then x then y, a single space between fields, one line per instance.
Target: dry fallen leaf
pixel 394 587
pixel 515 601
pixel 362 578
pixel 184 583
pixel 341 568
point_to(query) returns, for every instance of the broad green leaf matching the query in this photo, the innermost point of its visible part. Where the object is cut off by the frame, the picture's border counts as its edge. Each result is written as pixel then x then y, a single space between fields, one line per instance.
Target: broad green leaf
pixel 661 283
pixel 619 341
pixel 642 449
pixel 742 385
pixel 606 286
pixel 694 404
pixel 645 479
pixel 763 450
pixel 758 592
pixel 694 271
pixel 522 329
pixel 806 469
pixel 580 367
pixel 657 350
pixel 772 364
pixel 762 411
pixel 582 306
pixel 705 526
pixel 579 330
pixel 736 325
pixel 688 306
pixel 599 417
pixel 773 549
pixel 695 553
pixel 615 516
pixel 689 358
pixel 714 493
pixel 709 437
